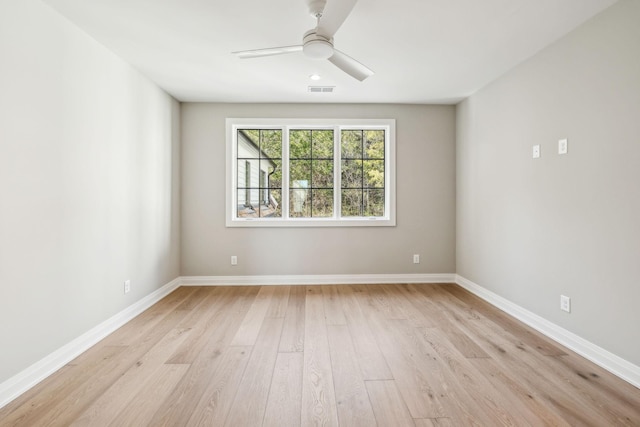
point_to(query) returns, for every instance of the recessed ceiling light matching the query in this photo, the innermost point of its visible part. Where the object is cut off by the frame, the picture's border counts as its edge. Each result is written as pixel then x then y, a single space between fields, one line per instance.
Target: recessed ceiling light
pixel 314 77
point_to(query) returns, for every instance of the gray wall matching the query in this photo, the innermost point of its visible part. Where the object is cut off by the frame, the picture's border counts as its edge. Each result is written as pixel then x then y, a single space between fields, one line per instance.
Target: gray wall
pixel 89 171
pixel 425 153
pixel 530 230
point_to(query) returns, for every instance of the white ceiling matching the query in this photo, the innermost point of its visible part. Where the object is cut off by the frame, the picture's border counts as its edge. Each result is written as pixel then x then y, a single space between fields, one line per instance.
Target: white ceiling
pixel 422 51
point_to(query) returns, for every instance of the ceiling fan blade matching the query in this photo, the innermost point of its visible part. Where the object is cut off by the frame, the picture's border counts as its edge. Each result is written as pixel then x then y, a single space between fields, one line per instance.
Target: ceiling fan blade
pixel 350 65
pixel 334 14
pixel 257 53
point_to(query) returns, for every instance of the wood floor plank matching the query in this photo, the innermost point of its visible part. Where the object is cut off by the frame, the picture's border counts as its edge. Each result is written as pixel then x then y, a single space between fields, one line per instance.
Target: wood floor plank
pixel 379 299
pixel 251 399
pixel 116 397
pixel 203 303
pixel 80 393
pixel 251 324
pixel 354 407
pixel 279 302
pixel 478 389
pixel 442 319
pixel 332 306
pixel 292 338
pixel 445 390
pixel 405 297
pixel 205 317
pixel 424 422
pixel 215 402
pixel 420 385
pixel 609 394
pixel 530 366
pixel 578 375
pixel 36 403
pixel 318 395
pixel 140 407
pixel 519 394
pixel 443 422
pixel 388 406
pixel 180 404
pixel 370 359
pixel 424 355
pixel 284 404
pixel 528 335
pixel 142 325
pixel 198 296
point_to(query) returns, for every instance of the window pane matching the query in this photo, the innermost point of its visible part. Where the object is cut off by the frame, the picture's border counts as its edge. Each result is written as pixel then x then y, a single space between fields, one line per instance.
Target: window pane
pixel 248 144
pixel 322 174
pixel 274 173
pixel 273 208
pixel 271 144
pixel 374 144
pixel 300 174
pixel 373 203
pixel 248 202
pixel 248 173
pixel 322 144
pixel 373 173
pixel 351 174
pixel 351 202
pixel 351 144
pixel 300 144
pixel 259 203
pixel 299 202
pixel 322 203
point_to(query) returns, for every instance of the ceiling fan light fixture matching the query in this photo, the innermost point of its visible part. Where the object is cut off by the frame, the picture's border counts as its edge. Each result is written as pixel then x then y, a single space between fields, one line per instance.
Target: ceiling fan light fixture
pixel 318 49
pixel 317 43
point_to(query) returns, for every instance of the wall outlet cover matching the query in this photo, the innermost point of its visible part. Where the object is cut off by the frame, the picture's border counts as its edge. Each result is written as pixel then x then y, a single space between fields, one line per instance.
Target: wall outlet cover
pixel 536 151
pixel 563 146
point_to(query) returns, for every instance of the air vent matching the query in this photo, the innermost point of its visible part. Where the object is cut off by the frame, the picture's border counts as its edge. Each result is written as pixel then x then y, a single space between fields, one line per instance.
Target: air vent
pixel 321 89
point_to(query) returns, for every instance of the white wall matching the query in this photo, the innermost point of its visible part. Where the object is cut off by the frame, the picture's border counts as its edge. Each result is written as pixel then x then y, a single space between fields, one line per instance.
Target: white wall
pixel 89 164
pixel 530 230
pixel 425 180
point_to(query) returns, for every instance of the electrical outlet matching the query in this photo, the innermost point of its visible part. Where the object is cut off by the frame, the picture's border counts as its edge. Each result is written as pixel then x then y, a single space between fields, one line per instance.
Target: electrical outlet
pixel 127 286
pixel 234 260
pixel 563 146
pixel 536 151
pixel 565 303
pixel 416 259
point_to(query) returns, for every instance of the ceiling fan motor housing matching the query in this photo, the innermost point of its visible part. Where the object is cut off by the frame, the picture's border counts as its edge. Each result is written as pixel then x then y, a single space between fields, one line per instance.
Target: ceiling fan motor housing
pixel 316 46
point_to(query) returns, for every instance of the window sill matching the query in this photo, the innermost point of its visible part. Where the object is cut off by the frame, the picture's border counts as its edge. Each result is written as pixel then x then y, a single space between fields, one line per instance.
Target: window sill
pixel 310 223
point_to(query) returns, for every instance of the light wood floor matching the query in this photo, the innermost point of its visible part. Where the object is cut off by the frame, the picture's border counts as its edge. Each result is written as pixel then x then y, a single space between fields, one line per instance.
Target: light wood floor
pixel 386 355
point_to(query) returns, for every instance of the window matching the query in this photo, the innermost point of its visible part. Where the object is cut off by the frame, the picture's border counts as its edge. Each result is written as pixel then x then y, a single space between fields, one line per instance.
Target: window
pixel 310 172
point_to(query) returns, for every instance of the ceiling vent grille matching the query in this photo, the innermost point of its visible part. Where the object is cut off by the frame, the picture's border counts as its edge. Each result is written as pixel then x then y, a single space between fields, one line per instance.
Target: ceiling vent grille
pixel 321 89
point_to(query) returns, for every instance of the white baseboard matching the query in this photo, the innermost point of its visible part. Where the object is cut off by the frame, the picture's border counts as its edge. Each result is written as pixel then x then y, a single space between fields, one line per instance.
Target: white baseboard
pixel 322 279
pixel 23 381
pixel 609 361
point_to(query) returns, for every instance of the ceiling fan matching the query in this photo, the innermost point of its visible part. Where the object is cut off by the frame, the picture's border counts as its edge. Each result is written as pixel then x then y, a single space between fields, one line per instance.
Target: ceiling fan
pixel 318 42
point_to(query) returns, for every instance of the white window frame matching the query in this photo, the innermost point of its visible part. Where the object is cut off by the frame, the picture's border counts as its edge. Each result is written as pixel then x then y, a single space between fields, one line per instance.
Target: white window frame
pixel 232 126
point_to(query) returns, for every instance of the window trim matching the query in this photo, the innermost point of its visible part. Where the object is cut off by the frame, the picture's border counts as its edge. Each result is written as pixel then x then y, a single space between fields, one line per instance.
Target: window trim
pixel 232 126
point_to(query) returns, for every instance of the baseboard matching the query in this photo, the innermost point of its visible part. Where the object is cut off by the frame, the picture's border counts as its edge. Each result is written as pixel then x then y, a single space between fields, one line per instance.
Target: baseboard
pixel 607 360
pixel 23 381
pixel 322 279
